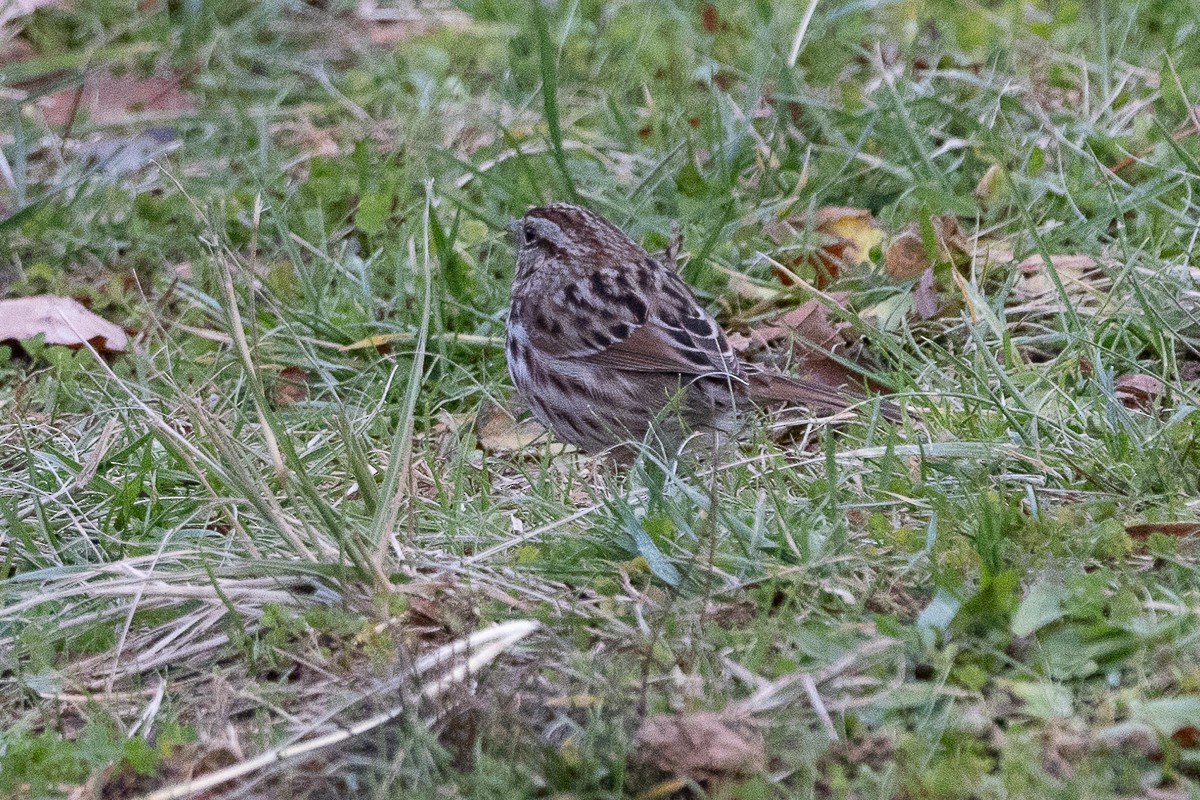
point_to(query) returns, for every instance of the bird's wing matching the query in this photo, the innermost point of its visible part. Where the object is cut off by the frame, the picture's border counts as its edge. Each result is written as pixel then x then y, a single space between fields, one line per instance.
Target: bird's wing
pixel 691 345
pixel 660 327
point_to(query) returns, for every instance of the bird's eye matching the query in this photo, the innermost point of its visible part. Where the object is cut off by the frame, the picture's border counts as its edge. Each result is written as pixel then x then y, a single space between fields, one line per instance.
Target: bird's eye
pixel 540 233
pixel 529 233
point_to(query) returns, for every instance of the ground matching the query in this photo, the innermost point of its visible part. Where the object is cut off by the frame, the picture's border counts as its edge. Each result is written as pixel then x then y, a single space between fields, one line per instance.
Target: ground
pixel 289 540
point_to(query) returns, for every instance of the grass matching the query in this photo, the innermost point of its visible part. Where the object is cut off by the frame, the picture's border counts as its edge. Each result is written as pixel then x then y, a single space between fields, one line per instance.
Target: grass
pixel 257 541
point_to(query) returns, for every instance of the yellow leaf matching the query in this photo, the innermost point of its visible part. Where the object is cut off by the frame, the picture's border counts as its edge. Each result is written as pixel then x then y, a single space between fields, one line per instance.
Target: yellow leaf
pixel 856 226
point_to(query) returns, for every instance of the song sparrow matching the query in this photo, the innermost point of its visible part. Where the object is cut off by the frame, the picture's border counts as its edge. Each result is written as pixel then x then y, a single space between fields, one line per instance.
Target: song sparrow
pixel 605 341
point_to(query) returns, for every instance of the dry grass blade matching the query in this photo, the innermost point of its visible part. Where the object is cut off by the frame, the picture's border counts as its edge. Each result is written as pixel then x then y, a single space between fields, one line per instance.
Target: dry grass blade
pixel 781 691
pixel 483 647
pixel 395 490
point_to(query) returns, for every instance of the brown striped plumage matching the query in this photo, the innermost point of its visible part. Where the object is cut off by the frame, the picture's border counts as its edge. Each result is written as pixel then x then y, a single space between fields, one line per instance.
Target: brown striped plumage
pixel 605 342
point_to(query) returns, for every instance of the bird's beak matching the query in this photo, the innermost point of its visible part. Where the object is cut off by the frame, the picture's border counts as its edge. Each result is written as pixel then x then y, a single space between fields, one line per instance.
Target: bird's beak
pixel 514 231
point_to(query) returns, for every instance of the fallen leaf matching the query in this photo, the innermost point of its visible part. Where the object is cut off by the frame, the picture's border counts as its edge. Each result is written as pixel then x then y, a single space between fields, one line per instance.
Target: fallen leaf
pixel 58 320
pixel 574 701
pixel 1063 743
pixel 855 226
pixel 1066 265
pixel 1131 738
pixel 872 748
pixel 743 286
pixel 1142 530
pixel 810 323
pixel 664 790
pixel 109 99
pixel 1168 715
pixel 1188 736
pixel 812 336
pixel 117 155
pixel 499 430
pixel 1082 278
pixel 992 184
pixel 906 257
pixel 986 251
pixel 848 234
pixel 889 313
pixel 702 745
pixel 925 299
pixel 732 614
pixel 302 135
pixel 291 386
pixel 1137 390
pixel 740 342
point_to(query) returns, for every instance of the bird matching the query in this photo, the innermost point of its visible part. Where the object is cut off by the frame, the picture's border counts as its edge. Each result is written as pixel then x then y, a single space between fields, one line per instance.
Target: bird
pixel 605 342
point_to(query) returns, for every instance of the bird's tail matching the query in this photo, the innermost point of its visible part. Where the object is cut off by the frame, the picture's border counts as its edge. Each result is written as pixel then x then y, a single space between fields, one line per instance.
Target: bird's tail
pixel 772 387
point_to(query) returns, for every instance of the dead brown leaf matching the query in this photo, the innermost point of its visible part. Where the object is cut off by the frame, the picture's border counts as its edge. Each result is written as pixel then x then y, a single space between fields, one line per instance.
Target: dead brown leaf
pixel 575 701
pixel 809 323
pixel 1063 743
pixel 855 227
pixel 702 745
pixel 906 257
pixel 733 614
pixel 382 342
pixel 1142 530
pixel 740 342
pixel 872 748
pixel 291 386
pixel 1068 265
pixel 1137 390
pixel 987 251
pixel 743 286
pixel 812 335
pixel 302 135
pixel 59 320
pixel 1188 736
pixel 1132 738
pixel 107 99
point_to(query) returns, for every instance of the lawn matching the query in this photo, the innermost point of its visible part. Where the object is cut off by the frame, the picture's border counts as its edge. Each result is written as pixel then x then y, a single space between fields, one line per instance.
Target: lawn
pixel 296 539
